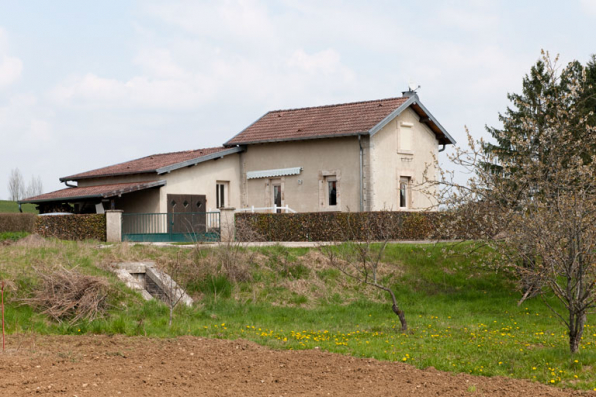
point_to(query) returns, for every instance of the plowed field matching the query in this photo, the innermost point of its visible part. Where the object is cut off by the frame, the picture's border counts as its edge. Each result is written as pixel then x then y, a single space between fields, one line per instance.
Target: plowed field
pixel 189 366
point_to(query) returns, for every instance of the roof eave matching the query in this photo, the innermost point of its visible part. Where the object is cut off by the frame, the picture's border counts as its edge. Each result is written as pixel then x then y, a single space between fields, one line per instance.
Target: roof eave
pixel 413 100
pixel 112 193
pixel 451 140
pixel 75 198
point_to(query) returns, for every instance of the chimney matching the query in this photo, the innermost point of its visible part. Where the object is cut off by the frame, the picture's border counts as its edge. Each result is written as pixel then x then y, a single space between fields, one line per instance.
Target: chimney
pixel 411 90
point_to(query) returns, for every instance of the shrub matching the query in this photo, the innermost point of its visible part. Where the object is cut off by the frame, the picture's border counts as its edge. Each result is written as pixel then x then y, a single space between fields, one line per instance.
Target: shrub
pixel 17 223
pixel 335 226
pixel 72 227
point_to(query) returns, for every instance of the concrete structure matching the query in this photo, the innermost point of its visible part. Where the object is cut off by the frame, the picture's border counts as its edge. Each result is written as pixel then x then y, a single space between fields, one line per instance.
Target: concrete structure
pixel 151 282
pixel 361 156
pixel 114 226
pixel 226 222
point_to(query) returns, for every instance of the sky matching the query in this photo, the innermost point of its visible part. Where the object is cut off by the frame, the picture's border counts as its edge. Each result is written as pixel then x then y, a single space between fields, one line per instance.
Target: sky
pixel 89 84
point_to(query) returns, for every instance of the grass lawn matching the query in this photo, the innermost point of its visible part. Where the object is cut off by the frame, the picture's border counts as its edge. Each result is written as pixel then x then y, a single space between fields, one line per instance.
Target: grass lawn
pixel 12 206
pixel 463 317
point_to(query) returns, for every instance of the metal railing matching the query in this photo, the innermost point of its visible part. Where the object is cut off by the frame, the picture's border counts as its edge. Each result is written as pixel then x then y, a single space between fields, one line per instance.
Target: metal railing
pixel 178 222
pixel 273 209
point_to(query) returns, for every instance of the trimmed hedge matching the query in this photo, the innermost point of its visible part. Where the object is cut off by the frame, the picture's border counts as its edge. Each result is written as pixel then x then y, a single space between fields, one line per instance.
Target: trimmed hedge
pixel 17 223
pixel 72 227
pixel 340 226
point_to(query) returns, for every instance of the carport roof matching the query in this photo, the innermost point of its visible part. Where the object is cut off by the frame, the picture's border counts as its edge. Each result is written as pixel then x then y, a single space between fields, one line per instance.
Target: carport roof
pixel 89 192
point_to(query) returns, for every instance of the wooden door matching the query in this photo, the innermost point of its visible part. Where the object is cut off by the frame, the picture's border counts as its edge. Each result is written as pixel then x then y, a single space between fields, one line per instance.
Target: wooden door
pixel 187 213
pixel 199 209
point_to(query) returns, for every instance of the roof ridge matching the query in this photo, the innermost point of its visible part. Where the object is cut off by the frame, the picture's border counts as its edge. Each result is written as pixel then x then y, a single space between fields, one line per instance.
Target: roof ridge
pixel 338 104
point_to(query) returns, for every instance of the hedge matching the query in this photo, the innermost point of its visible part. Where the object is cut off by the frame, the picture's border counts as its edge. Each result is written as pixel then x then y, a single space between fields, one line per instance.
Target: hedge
pixel 339 226
pixel 17 223
pixel 72 227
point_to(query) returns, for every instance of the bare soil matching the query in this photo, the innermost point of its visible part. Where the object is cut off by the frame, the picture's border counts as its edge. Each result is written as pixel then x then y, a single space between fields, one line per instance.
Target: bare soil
pixel 189 366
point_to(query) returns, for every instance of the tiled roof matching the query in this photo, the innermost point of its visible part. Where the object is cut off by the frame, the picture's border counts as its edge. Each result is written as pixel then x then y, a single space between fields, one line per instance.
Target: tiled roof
pixel 318 122
pixel 145 164
pixel 99 191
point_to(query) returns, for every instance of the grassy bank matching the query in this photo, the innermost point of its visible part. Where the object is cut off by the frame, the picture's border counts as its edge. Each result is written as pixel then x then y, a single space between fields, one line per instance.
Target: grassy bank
pixel 13 207
pixel 462 317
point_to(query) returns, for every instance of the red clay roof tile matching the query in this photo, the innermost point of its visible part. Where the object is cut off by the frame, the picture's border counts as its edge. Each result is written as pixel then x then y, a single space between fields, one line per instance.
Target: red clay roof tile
pixel 146 164
pixel 103 191
pixel 318 122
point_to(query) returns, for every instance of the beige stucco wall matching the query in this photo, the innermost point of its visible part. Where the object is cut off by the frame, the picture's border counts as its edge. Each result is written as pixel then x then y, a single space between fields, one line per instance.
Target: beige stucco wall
pixel 389 161
pixel 304 192
pixel 202 178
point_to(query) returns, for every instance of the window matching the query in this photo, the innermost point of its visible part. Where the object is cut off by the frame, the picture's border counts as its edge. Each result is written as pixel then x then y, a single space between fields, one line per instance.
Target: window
pixel 331 191
pixel 221 194
pixel 277 197
pixel 404 192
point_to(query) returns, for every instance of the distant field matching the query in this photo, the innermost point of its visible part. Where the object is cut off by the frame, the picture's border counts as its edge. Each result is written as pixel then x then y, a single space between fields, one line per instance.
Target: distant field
pixel 12 206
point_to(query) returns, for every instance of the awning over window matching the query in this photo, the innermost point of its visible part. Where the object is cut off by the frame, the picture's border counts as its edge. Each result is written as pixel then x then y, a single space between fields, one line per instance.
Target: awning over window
pixel 273 173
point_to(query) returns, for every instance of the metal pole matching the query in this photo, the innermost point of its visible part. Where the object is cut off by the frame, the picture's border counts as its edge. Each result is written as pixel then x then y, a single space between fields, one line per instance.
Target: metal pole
pixel 3 337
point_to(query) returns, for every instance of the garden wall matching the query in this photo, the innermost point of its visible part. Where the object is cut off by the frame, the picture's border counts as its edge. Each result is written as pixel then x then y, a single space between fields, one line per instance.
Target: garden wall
pixel 72 227
pixel 17 223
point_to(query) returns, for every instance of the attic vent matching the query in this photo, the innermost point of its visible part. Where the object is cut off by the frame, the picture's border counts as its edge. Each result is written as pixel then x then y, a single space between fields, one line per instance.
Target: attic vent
pixel 299 130
pixel 279 115
pixel 380 104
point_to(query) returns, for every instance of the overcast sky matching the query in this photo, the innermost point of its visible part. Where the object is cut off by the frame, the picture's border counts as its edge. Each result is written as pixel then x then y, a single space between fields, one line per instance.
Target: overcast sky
pixel 89 84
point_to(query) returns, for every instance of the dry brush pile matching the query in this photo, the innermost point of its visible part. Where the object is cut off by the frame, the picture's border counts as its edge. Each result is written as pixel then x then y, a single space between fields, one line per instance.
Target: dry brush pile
pixel 67 295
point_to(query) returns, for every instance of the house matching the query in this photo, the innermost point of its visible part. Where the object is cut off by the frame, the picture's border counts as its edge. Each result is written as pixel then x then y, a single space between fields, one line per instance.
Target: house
pixel 361 156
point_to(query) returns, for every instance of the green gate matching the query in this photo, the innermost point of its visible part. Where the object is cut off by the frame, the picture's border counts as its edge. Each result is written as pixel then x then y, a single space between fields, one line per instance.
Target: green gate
pixel 171 227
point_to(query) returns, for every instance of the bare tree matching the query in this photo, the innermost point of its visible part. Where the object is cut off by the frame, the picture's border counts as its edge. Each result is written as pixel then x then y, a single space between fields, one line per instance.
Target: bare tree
pixel 34 188
pixel 16 185
pixel 360 258
pixel 538 212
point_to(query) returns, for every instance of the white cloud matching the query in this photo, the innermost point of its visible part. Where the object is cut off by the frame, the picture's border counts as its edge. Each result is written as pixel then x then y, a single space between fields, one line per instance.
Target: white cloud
pixel 224 78
pixel 158 62
pixel 10 66
pixel 589 6
pixel 245 20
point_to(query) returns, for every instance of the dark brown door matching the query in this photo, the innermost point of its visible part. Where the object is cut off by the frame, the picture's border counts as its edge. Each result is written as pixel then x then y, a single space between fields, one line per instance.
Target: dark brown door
pixel 187 213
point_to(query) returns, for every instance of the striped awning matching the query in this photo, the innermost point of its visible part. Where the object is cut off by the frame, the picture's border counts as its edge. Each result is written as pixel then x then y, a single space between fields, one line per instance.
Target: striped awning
pixel 273 173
